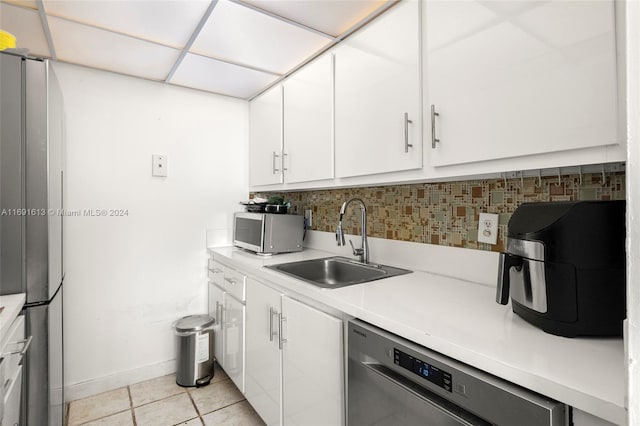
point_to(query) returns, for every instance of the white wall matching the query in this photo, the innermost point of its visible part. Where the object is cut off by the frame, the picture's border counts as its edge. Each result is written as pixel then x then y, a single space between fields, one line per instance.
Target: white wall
pixel 128 278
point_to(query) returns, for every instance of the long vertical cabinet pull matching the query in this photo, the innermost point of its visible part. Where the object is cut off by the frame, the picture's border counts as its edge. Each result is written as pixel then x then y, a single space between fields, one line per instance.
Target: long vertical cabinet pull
pixel 434 114
pixel 284 169
pixel 281 321
pixel 272 333
pixel 217 312
pixel 407 145
pixel 273 163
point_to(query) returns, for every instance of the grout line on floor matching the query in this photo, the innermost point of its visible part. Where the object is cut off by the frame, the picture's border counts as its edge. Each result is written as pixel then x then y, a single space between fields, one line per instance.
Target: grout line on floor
pixel 194 404
pixel 188 420
pixel 133 413
pixel 103 417
pixel 222 408
pixel 157 400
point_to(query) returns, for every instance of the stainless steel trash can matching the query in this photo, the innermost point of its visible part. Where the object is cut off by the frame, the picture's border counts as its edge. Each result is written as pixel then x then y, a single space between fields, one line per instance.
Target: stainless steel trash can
pixel 194 335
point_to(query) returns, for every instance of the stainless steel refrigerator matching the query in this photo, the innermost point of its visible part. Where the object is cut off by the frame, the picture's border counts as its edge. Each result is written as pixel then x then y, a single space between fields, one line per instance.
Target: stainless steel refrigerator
pixel 31 198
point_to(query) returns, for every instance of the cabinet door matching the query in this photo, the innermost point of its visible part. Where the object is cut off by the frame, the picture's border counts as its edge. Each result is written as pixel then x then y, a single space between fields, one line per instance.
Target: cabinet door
pixel 511 79
pixel 216 306
pixel 312 361
pixel 265 138
pixel 263 364
pixel 233 335
pixel 377 93
pixel 13 399
pixel 308 122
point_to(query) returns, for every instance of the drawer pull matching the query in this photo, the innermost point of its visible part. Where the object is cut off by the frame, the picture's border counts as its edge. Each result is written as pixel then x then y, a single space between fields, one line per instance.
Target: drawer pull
pixel 216 270
pixel 231 281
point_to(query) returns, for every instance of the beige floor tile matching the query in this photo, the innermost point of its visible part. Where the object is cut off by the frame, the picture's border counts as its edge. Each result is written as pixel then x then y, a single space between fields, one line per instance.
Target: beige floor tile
pixel 218 374
pixel 215 396
pixel 240 414
pixel 167 412
pixel 192 422
pixel 154 390
pixel 98 406
pixel 122 419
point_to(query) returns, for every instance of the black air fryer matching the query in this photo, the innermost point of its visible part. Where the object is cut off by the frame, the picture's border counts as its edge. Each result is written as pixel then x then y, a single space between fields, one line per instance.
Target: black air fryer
pixel 565 267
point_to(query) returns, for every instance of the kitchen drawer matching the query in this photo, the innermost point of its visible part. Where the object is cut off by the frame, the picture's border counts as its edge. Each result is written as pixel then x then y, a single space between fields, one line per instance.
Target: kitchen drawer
pixel 11 352
pixel 216 273
pixel 235 283
pixel 12 399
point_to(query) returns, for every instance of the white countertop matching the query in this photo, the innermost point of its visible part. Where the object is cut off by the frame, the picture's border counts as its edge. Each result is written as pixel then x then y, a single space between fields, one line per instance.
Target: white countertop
pixel 462 320
pixel 12 306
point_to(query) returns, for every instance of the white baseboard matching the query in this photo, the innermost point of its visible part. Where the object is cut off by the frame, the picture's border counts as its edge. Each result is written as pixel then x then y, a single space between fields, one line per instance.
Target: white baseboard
pixel 114 381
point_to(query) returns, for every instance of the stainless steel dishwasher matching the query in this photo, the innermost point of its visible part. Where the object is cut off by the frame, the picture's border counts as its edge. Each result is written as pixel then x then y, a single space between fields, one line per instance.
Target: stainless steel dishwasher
pixel 392 381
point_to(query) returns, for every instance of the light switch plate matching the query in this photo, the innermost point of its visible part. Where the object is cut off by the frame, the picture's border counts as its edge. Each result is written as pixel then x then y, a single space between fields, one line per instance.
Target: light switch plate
pixel 159 165
pixel 488 228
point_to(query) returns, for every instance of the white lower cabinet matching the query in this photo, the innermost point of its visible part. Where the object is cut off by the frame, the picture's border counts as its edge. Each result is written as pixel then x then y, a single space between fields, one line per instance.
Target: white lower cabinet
pixel 233 335
pixel 11 372
pixel 294 364
pixel 216 302
pixel 312 366
pixel 227 306
pixel 263 374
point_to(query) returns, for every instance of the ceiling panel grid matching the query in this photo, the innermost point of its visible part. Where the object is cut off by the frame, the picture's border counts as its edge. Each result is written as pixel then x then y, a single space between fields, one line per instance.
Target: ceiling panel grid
pixel 231 47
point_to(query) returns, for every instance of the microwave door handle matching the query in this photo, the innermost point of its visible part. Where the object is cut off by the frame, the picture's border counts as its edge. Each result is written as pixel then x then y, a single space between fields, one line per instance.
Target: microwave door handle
pixel 505 263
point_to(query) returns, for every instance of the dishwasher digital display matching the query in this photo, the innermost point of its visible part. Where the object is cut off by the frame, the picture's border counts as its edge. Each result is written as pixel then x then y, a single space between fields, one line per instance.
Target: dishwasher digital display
pixel 423 369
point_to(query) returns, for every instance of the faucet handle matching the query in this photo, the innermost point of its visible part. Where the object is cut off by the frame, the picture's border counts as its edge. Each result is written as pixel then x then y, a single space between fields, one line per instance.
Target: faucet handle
pixel 356 251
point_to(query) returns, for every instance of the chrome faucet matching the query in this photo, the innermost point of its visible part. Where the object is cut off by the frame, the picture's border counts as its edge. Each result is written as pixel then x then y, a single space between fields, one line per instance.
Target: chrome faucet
pixel 363 251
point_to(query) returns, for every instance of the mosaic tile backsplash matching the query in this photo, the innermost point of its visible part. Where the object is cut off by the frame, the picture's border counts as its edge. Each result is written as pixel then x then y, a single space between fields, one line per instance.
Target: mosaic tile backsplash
pixel 447 213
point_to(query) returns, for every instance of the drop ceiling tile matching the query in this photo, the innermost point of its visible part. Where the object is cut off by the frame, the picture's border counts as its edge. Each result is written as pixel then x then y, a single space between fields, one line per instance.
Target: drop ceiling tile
pixel 332 17
pixel 208 74
pixel 25 25
pixel 242 35
pixel 165 22
pixel 84 45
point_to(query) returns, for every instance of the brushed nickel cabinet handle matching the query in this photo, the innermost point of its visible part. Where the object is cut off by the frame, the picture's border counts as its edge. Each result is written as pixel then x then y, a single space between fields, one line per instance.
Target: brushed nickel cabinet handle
pixel 407 145
pixel 273 162
pixel 434 114
pixel 272 333
pixel 281 321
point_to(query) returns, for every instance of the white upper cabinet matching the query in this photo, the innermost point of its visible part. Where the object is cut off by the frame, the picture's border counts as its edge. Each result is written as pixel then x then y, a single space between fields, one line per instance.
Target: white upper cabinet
pixel 377 95
pixel 508 79
pixel 265 138
pixel 308 123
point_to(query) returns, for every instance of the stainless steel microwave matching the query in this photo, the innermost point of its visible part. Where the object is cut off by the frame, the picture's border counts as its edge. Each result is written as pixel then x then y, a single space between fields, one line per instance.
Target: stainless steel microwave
pixel 266 233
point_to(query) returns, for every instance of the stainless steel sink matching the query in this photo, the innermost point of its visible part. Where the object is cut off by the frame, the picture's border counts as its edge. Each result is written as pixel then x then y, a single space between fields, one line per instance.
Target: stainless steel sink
pixel 334 272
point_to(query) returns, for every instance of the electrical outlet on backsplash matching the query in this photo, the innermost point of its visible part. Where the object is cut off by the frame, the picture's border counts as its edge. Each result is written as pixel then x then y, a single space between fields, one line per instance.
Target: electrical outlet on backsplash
pixel 448 213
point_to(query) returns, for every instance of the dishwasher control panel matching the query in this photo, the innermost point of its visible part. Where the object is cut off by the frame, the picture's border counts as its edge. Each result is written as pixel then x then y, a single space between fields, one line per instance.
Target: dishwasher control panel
pixel 423 369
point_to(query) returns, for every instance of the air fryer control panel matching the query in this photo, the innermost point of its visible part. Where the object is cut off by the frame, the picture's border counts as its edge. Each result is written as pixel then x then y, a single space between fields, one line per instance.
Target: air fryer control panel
pixel 426 371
